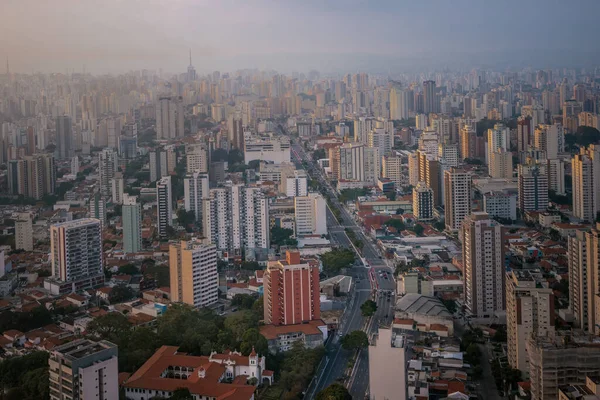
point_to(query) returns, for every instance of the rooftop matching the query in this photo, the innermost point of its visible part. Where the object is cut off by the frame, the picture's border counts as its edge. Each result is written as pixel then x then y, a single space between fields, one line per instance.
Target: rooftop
pixel 426 305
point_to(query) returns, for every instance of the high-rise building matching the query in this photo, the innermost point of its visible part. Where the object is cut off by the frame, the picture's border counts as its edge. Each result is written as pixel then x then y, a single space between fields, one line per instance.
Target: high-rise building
pixel 195 188
pixel 362 127
pixel 533 185
pixel 117 184
pixel 23 232
pixel 430 173
pixel 291 291
pixel 164 210
pixel 391 168
pixel 64 137
pixel 32 176
pixel 98 207
pixel 585 168
pixel 524 133
pixel 194 277
pixel 358 163
pixel 158 164
pixel 310 215
pixel 236 132
pixel 483 261
pixel 382 139
pixel 429 97
pixel 549 138
pixel 556 176
pixel 529 312
pixel 235 218
pixel 196 158
pixel 76 255
pixel 467 142
pixel 108 166
pixel 169 118
pixel 457 193
pixel 296 184
pixel 84 369
pixel 583 254
pixel 400 103
pixel 448 154
pixel 502 204
pixel 501 164
pixel 414 161
pixel 498 138
pixel 423 202
pixel 132 224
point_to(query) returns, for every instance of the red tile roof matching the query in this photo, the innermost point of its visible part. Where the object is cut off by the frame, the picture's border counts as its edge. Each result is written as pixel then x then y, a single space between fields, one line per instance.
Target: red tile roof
pixel 271 332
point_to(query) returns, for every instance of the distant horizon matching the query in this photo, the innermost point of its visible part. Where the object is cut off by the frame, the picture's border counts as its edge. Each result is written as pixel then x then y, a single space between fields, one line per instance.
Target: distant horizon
pixel 379 36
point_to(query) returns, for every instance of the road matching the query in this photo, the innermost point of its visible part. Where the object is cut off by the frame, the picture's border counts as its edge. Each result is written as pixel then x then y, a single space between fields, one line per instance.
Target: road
pixel 375 278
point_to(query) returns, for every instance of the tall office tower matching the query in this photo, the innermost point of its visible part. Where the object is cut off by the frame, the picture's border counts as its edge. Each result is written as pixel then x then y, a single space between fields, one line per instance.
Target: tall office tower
pixel 571 110
pixel 483 262
pixel 548 138
pixel 32 176
pixel 310 214
pixel 358 163
pixel 529 312
pixel 64 137
pixel 24 232
pixel 448 154
pixel 132 224
pixel 501 164
pixel 414 161
pixel 164 209
pixel 113 128
pixel 429 142
pixel 117 184
pixel 158 164
pixel 421 121
pixel 583 254
pixel 128 144
pixel 236 218
pixel 193 270
pixel 533 185
pixel 498 138
pixel 422 196
pixel 362 127
pixel 108 166
pixel 196 158
pixel 430 173
pixel 236 132
pixel 585 168
pixel 429 97
pixel 457 193
pixel 75 165
pixel 399 103
pixel 291 291
pixel 84 369
pixel 169 118
pixel 391 168
pixel 76 255
pixel 195 188
pixel 467 142
pixel 556 176
pixel 296 184
pixel 191 71
pixel 579 93
pixel 524 133
pixel 98 207
pixel 382 139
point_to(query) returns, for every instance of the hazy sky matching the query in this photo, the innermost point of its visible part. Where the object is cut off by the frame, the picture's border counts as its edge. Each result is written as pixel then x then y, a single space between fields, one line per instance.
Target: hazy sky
pixel 118 35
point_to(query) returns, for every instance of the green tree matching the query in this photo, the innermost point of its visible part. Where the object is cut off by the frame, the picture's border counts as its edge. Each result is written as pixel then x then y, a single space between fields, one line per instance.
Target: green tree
pixel 111 327
pixel 182 394
pixel 239 322
pixel 335 391
pixel 252 339
pixel 282 237
pixel 243 301
pixel 355 340
pixel 368 308
pixel 120 293
pixel 128 269
pixel 250 265
pixel 396 223
pixel 418 229
pixel 333 261
pixel 186 218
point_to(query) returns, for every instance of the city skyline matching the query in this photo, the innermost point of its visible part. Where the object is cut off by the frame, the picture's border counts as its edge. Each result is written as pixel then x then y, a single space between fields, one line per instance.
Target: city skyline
pixel 233 35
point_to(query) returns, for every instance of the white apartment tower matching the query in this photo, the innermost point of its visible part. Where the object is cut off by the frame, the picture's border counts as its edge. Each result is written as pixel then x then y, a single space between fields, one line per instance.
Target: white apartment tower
pixel 169 118
pixel 195 188
pixel 164 206
pixel 24 232
pixel 132 224
pixel 529 312
pixel 108 165
pixel 296 184
pixel 483 261
pixel 586 183
pixel 533 185
pixel 196 158
pixel 457 197
pixel 310 215
pixel 118 188
pixel 391 168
